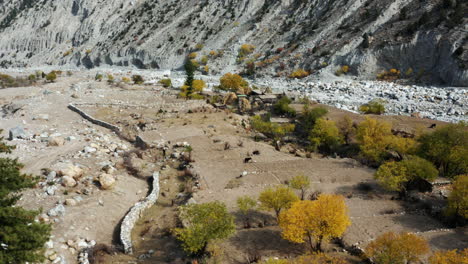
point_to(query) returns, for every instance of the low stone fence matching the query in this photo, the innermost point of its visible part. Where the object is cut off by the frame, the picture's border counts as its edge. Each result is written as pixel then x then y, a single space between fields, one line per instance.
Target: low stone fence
pixel 135 213
pixel 93 120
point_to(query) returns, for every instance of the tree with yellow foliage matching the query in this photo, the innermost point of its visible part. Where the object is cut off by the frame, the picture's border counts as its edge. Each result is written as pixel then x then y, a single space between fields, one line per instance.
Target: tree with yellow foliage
pixel 325 136
pixel 234 83
pixel 277 198
pixel 391 248
pixel 317 221
pixel 458 199
pixel 300 182
pixel 299 74
pixel 192 55
pixel 315 258
pixel 450 257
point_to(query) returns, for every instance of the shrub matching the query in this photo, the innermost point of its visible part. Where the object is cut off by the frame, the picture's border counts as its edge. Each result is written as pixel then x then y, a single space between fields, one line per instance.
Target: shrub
pixel 447 148
pixel 51 77
pixel 299 74
pixel 395 175
pixel 391 248
pixel 325 136
pixel 98 77
pixel 192 55
pixel 449 257
pixel 245 50
pixel 204 60
pixel 458 199
pixel 234 83
pixel 204 223
pixel 137 79
pixel 282 107
pixel 213 53
pixel 376 107
pixel 68 52
pixel 32 77
pixel 110 78
pixel 391 75
pixel 166 82
pixel 199 46
pixel 308 118
pixel 272 130
pixel 125 79
pixel 342 70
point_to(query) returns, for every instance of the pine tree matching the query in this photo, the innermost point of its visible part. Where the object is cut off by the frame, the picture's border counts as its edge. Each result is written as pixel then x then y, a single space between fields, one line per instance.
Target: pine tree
pixel 21 238
pixel 190 71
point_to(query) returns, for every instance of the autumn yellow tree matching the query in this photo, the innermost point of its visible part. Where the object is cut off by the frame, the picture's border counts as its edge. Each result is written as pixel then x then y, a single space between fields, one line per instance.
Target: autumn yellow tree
pixel 300 182
pixel 234 83
pixel 450 257
pixel 277 198
pixel 374 137
pixel 325 136
pixel 315 221
pixel 391 248
pixel 458 199
pixel 246 204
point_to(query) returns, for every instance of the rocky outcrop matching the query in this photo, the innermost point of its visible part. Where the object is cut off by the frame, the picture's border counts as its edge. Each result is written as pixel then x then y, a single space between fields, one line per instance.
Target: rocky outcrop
pixel 135 213
pixel 317 35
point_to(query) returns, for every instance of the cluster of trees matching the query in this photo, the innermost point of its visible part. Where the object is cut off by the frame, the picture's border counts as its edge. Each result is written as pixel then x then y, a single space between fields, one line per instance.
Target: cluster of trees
pixel 22 239
pixel 191 88
pixel 301 221
pixel 400 161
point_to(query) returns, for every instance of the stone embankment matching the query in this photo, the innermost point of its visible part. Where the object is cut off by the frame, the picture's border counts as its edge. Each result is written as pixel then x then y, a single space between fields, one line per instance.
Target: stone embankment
pixel 93 120
pixel 135 213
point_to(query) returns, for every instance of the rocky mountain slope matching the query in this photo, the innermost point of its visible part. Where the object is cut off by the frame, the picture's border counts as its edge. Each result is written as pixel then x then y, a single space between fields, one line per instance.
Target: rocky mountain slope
pixel 427 40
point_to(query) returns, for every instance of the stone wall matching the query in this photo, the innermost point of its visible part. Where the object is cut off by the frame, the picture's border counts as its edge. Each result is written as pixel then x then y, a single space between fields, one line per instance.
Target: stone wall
pixel 93 120
pixel 135 213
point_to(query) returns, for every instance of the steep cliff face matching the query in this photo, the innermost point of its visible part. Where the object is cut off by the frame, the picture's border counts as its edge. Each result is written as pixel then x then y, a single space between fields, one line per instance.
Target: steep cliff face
pixel 425 38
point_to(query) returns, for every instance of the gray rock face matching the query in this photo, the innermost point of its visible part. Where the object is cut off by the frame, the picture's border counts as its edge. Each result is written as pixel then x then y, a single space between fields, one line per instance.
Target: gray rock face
pixel 370 36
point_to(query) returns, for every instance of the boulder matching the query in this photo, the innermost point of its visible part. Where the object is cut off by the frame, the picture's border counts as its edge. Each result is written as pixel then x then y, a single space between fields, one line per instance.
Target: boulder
pixel 107 181
pixel 73 171
pixel 56 141
pixel 57 211
pixel 68 181
pixel 17 132
pixel 70 202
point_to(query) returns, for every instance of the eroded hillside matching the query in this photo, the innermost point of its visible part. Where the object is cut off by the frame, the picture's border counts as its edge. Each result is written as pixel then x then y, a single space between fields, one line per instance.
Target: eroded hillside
pixel 425 40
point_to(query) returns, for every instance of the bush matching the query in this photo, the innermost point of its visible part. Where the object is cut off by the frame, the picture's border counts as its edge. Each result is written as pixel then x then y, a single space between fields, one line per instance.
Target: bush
pixel 342 70
pixel 325 136
pixel 272 130
pixel 234 83
pixel 192 55
pixel 458 199
pixel 110 78
pixel 98 77
pixel 391 75
pixel 376 107
pixel 395 175
pixel 282 107
pixel 199 46
pixel 166 83
pixel 449 257
pixel 32 77
pixel 245 50
pixel 125 79
pixel 391 248
pixel 447 148
pixel 51 77
pixel 299 74
pixel 137 79
pixel 308 118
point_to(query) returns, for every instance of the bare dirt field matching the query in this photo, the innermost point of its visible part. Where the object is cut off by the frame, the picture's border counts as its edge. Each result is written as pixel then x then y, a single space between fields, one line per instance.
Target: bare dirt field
pixel 157 116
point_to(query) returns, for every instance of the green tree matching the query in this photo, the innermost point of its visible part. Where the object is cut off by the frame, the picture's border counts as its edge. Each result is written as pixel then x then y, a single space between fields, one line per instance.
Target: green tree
pixel 300 182
pixel 282 107
pixel 375 106
pixel 190 72
pixel 447 148
pixel 325 136
pixel 395 175
pixel 204 223
pixel 458 199
pixel 22 239
pixel 308 118
pixel 277 198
